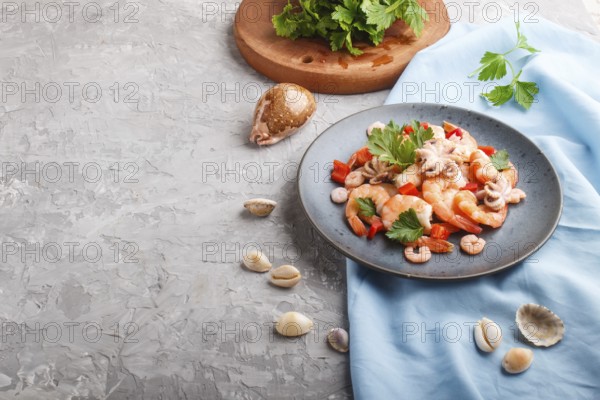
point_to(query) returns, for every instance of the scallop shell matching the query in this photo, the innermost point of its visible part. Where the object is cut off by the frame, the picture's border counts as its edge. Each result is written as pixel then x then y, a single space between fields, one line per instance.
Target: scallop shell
pixel 260 207
pixel 539 325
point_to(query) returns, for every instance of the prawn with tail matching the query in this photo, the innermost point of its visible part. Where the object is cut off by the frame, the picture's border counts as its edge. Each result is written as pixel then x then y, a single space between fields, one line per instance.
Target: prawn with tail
pixel 379 194
pixel 440 194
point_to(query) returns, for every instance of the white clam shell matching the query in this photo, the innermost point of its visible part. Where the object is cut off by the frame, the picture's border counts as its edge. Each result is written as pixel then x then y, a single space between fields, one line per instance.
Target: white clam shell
pixel 256 261
pixel 260 207
pixel 285 276
pixel 539 325
pixel 293 324
pixel 488 335
pixel 517 360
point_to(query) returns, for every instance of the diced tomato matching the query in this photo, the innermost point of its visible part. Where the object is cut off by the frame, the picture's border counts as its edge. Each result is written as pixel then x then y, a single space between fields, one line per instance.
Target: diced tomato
pixel 457 132
pixel 425 125
pixel 376 226
pixel 409 189
pixel 489 150
pixel 340 171
pixel 360 157
pixel 408 129
pixel 472 186
pixel 438 231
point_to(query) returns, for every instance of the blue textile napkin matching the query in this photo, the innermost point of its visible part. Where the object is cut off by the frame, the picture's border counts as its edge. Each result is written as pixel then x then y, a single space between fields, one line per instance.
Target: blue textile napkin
pixel 414 339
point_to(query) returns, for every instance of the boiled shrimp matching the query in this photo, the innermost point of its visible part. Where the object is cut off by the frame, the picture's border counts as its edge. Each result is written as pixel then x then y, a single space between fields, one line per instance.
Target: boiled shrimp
pixel 440 194
pixel 398 204
pixel 466 202
pixel 379 194
pixel 481 167
pixel 354 179
pixel 422 256
pixel 411 174
pixel 435 245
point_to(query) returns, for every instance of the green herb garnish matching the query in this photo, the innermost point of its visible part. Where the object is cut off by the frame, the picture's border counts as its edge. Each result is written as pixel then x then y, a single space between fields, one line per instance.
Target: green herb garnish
pixel 367 207
pixel 500 160
pixel 493 67
pixel 343 21
pixel 390 145
pixel 406 228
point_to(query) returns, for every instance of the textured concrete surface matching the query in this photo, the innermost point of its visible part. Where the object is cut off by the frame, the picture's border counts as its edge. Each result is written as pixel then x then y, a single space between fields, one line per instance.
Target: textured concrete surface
pixel 125 164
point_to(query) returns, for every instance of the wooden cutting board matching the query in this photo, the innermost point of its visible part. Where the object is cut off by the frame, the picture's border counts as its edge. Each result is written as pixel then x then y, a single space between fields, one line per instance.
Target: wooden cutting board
pixel 311 63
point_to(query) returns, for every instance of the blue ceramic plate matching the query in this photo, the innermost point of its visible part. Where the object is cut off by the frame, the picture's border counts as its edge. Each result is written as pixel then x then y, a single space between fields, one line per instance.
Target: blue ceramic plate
pixel 528 225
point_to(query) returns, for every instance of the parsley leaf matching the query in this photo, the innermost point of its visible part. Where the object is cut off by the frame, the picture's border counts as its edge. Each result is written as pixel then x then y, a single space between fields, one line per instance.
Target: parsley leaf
pixel 499 95
pixel 406 228
pixel 522 41
pixel 500 160
pixel 367 207
pixel 525 92
pixel 493 66
pixel 390 145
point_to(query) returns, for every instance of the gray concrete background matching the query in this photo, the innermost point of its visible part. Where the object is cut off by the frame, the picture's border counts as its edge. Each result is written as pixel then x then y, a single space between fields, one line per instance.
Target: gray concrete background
pixel 125 164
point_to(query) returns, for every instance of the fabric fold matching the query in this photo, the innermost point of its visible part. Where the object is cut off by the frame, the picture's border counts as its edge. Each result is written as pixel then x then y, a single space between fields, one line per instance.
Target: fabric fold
pixel 413 339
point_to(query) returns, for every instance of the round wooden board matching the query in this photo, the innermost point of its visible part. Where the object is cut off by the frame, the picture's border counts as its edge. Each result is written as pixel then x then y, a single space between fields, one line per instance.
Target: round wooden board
pixel 311 63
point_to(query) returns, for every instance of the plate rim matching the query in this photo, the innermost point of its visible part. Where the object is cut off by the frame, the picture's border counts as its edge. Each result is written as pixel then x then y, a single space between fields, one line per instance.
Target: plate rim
pixel 375 267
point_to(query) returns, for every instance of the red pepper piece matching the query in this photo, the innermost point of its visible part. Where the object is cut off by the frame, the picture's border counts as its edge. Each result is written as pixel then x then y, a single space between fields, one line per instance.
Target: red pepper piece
pixel 457 132
pixel 438 231
pixel 409 189
pixel 360 157
pixel 489 150
pixel 340 171
pixel 472 186
pixel 376 226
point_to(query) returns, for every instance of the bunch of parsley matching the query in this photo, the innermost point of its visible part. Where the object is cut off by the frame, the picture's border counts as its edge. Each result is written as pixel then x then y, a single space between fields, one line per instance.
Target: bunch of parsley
pixel 343 21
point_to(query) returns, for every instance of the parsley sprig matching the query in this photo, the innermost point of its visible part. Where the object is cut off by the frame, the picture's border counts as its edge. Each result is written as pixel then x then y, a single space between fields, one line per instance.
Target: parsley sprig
pixel 406 228
pixel 493 67
pixel 500 160
pixel 343 21
pixel 390 145
pixel 367 207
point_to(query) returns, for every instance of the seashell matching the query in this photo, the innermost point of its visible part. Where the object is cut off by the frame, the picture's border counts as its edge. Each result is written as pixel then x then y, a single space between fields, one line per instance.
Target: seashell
pixel 488 335
pixel 285 276
pixel 260 207
pixel 517 360
pixel 293 324
pixel 338 339
pixel 256 261
pixel 539 325
pixel 280 112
